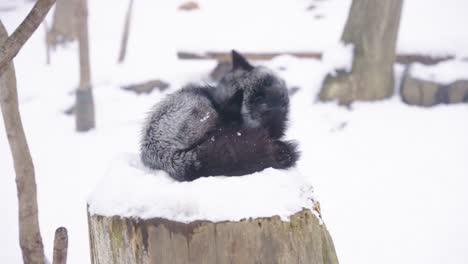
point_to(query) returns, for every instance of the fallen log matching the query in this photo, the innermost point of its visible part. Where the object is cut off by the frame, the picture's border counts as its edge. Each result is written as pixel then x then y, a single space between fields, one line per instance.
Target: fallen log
pixel 225 56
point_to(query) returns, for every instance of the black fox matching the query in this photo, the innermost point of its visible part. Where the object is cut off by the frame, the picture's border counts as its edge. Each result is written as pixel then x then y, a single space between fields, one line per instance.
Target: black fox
pixel 230 129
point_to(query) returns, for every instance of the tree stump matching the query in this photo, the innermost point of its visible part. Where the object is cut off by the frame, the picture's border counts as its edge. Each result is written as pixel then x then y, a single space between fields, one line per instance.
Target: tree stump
pixel 304 239
pixel 137 215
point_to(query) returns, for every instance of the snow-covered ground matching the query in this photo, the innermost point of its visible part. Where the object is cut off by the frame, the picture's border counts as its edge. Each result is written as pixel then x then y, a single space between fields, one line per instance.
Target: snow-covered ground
pixel 391 179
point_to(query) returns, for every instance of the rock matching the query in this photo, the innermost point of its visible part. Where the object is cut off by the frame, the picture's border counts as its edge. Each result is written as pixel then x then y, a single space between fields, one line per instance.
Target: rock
pixel 311 7
pixel 416 91
pixel 458 92
pixel 419 92
pixel 304 239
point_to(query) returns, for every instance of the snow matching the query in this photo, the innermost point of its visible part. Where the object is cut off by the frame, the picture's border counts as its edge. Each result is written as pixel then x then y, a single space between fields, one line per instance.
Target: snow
pixel 444 72
pixel 391 178
pixel 130 190
pixel 433 28
pixel 338 57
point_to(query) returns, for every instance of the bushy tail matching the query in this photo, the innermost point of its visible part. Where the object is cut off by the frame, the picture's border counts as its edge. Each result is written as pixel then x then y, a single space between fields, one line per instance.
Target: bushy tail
pixel 227 151
pixel 241 151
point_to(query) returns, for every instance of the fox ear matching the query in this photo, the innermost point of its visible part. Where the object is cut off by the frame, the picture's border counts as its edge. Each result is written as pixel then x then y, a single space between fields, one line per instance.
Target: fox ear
pixel 239 62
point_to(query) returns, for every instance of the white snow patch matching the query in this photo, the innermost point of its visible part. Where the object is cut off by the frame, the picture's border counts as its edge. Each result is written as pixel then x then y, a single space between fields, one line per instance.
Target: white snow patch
pixel 444 72
pixel 338 57
pixel 130 190
pixel 205 117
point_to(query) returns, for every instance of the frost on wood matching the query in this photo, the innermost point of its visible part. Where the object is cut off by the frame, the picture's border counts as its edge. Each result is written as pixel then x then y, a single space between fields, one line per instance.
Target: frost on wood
pixel 303 239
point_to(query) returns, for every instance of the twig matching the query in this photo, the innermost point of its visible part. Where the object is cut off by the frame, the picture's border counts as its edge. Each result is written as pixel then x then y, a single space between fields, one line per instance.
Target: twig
pixel 29 232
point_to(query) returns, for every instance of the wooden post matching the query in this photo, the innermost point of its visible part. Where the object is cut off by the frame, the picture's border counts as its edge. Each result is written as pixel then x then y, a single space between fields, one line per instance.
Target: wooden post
pixel 84 106
pixel 60 246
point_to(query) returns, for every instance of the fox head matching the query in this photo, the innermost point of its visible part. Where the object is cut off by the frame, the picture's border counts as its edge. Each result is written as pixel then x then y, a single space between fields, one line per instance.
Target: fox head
pixel 265 100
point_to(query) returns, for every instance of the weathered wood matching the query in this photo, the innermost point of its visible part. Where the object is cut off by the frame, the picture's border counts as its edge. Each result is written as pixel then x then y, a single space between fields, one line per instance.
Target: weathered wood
pixel 262 240
pixel 224 56
pixel 407 59
pixel 60 246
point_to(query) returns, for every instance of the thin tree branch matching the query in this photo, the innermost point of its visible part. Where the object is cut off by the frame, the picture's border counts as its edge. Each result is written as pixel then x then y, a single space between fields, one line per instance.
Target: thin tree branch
pixel 29 232
pixel 15 42
pixel 126 32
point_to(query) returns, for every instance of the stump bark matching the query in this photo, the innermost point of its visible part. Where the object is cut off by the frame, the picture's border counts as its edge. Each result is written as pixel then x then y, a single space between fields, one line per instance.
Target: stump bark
pixel 303 239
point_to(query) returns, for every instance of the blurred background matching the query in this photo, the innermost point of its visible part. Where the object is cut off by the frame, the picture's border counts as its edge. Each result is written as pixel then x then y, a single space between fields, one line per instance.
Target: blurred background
pixel 378 96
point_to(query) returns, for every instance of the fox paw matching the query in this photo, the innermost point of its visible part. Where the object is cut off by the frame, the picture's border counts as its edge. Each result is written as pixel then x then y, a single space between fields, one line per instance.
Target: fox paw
pixel 285 154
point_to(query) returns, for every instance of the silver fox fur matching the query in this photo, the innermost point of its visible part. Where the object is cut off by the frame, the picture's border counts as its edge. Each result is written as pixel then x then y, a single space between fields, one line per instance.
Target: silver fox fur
pixel 232 129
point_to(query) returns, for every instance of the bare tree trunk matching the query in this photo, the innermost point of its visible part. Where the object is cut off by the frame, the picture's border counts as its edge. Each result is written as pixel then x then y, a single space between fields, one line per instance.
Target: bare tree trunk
pixel 60 246
pixel 64 28
pixel 126 32
pixel 84 96
pixel 29 233
pixel 372 27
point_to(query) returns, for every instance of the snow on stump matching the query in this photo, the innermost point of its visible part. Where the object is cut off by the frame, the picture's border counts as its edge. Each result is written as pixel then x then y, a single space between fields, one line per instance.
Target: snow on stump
pixel 141 216
pixel 444 83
